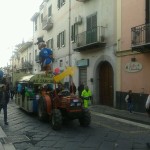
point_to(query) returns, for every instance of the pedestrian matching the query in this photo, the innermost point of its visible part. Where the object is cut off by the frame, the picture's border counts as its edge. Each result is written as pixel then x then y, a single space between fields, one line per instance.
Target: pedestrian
pixel 4 99
pixel 11 91
pixel 80 88
pixel 147 105
pixel 86 96
pixel 19 88
pixel 129 99
pixel 73 88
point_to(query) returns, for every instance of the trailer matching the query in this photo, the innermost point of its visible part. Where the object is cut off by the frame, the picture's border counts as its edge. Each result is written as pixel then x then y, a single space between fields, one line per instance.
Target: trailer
pixel 28 98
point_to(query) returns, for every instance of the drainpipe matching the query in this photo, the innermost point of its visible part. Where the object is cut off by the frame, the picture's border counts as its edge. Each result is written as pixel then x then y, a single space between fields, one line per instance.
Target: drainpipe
pixel 70 64
pixel 69 33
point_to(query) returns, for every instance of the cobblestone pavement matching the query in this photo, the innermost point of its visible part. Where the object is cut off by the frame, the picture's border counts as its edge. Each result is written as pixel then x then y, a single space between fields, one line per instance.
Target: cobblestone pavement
pixel 26 132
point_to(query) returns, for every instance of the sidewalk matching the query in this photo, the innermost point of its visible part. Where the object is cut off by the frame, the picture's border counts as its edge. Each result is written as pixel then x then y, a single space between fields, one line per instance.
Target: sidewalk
pixel 124 114
pixel 4 144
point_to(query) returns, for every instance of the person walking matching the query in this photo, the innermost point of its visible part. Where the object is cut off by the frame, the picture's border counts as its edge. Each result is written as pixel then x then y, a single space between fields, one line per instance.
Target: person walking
pixel 80 88
pixel 147 105
pixel 129 100
pixel 86 96
pixel 4 99
pixel 11 91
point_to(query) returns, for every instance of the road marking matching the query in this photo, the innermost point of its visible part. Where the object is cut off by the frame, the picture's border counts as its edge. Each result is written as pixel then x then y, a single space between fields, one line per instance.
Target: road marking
pixel 122 120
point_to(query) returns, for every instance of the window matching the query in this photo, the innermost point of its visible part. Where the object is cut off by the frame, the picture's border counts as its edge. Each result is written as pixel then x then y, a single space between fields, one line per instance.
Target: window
pixel 61 39
pixel 60 3
pixel 41 17
pixel 30 58
pixel 35 24
pixel 49 43
pixel 35 54
pixel 50 11
pixel 74 32
pixel 91 34
pixel 61 63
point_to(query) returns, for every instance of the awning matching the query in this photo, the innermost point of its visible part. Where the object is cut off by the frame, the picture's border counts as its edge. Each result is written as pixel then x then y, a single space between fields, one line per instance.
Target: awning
pixel 26 78
pixel 37 79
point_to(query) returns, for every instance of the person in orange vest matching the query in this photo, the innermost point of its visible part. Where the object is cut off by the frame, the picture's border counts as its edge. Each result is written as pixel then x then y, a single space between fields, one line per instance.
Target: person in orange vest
pixel 86 96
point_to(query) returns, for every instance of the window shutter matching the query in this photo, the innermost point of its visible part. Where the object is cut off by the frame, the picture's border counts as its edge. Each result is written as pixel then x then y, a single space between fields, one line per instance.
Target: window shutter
pixel 58 5
pixel 52 43
pixel 58 41
pixel 63 36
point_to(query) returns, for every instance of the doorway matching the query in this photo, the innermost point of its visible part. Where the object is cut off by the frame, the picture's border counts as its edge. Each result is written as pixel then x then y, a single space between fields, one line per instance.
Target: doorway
pixel 106 86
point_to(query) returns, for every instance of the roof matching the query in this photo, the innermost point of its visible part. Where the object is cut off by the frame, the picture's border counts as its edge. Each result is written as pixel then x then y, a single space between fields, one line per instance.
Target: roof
pixel 26 78
pixel 37 79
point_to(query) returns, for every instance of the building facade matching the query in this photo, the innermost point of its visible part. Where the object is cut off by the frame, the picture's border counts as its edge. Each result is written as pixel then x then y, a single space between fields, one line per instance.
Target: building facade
pixel 83 37
pixel 109 46
pixel 133 52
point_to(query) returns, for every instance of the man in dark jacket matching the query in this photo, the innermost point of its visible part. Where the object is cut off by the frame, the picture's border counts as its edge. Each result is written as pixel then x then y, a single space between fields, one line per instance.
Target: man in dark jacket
pixel 4 99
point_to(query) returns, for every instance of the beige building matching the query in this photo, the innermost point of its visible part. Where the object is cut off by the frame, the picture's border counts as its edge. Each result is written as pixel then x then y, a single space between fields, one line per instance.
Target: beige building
pixel 81 33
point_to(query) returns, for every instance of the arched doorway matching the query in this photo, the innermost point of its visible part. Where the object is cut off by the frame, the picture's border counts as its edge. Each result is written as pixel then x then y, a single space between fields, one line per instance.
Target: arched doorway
pixel 106 87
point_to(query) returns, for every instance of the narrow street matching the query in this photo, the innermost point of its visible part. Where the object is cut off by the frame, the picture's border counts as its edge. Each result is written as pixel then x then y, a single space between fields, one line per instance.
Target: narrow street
pixel 26 132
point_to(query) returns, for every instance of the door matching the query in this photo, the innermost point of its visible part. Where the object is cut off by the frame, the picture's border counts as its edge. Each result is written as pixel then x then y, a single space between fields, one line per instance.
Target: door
pixel 106 84
pixel 83 75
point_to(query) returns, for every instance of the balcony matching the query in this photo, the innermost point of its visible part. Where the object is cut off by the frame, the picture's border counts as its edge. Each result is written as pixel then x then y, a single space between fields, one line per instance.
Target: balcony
pixel 91 39
pixel 140 38
pixel 81 0
pixel 47 23
pixel 26 65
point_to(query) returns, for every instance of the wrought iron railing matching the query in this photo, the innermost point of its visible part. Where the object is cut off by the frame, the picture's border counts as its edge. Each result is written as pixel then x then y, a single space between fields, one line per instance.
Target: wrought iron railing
pixel 94 35
pixel 26 65
pixel 140 35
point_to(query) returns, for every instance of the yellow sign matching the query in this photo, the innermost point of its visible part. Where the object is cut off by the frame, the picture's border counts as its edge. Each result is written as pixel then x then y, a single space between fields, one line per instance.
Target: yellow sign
pixel 69 71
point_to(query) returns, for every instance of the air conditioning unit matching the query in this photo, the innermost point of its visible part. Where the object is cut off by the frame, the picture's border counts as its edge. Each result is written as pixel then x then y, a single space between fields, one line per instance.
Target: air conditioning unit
pixel 78 20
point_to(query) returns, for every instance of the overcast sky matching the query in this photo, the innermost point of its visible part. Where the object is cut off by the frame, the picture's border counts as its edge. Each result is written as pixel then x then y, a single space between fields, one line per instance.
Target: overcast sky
pixel 15 25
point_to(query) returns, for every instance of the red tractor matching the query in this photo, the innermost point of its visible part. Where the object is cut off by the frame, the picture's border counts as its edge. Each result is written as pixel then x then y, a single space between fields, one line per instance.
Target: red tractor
pixel 62 105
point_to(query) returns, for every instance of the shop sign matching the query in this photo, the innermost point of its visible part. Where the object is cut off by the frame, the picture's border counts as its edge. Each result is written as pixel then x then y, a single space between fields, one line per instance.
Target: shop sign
pixel 133 67
pixel 83 63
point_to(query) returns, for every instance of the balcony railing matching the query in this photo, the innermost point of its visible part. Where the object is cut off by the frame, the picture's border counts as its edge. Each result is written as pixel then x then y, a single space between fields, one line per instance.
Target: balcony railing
pixel 26 65
pixel 47 23
pixel 90 39
pixel 140 38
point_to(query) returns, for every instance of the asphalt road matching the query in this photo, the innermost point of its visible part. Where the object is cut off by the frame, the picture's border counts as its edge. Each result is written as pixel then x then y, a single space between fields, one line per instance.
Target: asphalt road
pixel 26 132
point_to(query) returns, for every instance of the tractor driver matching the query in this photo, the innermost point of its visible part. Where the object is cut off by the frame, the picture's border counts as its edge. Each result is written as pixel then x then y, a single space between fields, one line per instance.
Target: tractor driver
pixel 59 88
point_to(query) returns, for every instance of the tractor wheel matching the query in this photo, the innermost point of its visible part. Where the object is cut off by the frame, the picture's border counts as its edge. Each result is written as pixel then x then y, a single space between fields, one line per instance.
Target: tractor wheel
pixel 56 119
pixel 85 119
pixel 42 115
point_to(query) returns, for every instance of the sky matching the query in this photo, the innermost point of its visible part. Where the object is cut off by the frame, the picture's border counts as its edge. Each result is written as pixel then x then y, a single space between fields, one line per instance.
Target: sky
pixel 16 25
